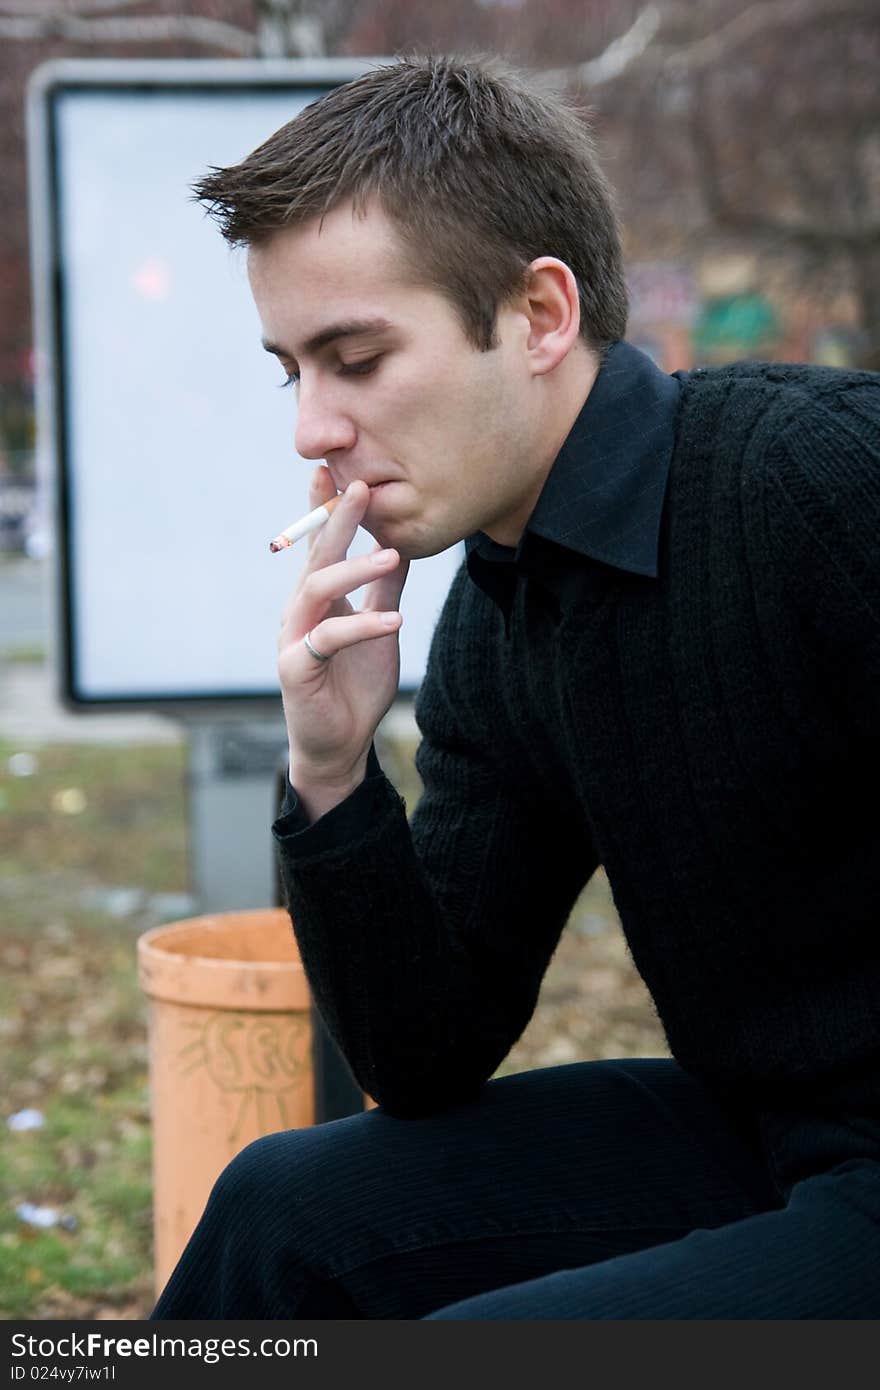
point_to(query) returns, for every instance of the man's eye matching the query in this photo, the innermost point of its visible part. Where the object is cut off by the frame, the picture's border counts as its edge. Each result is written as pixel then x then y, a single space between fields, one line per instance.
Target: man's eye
pixel 346 369
pixel 359 368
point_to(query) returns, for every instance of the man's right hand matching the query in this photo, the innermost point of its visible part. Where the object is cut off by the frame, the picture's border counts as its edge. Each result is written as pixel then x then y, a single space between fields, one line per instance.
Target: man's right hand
pixel 333 708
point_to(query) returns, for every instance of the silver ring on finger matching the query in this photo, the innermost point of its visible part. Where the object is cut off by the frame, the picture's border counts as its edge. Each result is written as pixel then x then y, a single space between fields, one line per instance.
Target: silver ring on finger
pixel 319 656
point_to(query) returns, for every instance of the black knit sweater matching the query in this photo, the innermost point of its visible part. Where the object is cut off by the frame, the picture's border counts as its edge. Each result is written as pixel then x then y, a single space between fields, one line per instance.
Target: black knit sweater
pixel 710 736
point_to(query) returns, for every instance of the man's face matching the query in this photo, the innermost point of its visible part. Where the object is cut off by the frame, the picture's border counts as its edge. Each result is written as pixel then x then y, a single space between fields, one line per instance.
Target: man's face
pixel 406 400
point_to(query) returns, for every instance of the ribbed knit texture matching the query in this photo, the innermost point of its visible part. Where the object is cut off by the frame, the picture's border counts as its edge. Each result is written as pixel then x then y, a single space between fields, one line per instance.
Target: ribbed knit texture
pixel 709 736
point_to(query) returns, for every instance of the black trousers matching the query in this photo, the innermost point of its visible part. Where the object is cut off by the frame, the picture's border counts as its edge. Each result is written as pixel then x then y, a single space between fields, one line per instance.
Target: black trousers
pixel 611 1189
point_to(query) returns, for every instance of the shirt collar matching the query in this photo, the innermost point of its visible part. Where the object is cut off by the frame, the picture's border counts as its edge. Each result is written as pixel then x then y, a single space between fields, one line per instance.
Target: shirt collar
pixel 604 494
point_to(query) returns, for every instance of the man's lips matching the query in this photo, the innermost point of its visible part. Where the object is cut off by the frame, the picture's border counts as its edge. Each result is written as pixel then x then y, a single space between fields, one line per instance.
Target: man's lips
pixel 377 486
pixel 372 483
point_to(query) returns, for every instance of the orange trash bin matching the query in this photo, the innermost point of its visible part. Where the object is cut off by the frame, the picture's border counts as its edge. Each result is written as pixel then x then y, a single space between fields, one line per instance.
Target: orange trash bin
pixel 230 1054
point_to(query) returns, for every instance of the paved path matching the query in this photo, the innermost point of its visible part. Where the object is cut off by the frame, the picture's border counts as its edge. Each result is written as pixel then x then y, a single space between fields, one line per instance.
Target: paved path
pixel 30 712
pixel 23 602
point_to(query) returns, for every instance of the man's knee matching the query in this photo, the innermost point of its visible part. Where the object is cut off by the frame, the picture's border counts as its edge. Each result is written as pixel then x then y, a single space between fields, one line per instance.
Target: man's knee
pixel 251 1179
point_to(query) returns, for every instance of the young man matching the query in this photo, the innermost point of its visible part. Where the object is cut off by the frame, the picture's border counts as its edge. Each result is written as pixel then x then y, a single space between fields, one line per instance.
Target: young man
pixel 662 656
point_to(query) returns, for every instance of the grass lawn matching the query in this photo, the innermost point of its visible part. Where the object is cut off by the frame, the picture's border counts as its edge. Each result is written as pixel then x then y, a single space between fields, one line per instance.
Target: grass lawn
pixel 94 849
pixel 84 819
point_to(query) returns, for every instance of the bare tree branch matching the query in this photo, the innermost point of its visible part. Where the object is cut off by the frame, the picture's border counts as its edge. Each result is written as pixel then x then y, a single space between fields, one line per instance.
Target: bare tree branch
pixel 290 27
pixel 811 236
pixel 830 239
pixel 147 29
pixel 283 27
pixel 613 60
pixel 759 18
pixel 636 48
pixel 58 8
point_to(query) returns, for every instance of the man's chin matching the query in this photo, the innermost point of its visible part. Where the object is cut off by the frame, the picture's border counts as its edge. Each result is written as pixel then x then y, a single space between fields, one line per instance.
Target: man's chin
pixel 412 542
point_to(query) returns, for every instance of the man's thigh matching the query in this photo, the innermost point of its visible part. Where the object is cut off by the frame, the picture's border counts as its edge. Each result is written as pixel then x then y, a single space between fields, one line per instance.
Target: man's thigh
pixel 546 1169
pixel 818 1258
pixel 378 1217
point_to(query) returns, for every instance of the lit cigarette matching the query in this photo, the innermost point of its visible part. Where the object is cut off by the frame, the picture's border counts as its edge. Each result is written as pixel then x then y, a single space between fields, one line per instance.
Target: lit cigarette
pixel 310 522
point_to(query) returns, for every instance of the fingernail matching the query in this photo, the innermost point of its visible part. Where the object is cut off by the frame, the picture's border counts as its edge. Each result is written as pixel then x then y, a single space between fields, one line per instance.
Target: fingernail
pixel 381 557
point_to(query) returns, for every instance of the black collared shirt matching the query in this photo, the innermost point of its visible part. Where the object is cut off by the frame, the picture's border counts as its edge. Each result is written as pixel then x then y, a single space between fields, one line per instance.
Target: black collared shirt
pixel 603 497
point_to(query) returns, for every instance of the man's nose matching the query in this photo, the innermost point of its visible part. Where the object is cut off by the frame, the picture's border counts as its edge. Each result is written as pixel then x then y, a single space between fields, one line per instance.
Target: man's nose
pixel 321 426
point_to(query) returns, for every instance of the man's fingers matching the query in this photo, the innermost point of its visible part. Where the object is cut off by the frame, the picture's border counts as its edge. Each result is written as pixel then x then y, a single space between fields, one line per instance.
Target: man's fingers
pixel 332 540
pixel 322 586
pixel 385 592
pixel 333 635
pixel 329 584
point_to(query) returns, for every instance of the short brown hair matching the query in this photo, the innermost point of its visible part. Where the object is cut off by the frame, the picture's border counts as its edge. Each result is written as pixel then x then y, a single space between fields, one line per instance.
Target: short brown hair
pixel 479 173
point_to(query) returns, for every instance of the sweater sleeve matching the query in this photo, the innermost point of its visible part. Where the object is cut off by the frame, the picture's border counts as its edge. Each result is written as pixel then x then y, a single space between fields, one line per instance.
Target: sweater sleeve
pixel 346 821
pixel 425 944
pixel 825 499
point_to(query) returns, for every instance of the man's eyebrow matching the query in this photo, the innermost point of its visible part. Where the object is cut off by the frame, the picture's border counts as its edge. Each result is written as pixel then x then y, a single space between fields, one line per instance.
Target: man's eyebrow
pixel 349 328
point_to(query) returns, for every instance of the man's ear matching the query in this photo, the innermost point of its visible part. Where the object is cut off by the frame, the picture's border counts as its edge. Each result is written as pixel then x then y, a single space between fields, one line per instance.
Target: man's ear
pixel 551 303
